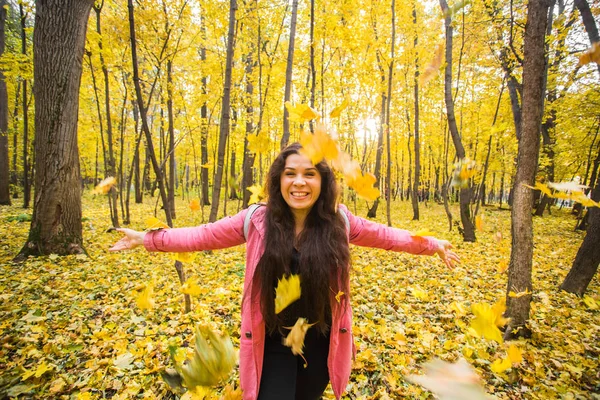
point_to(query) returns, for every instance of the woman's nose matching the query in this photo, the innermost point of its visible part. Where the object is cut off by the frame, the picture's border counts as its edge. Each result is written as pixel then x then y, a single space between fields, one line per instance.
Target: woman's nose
pixel 299 180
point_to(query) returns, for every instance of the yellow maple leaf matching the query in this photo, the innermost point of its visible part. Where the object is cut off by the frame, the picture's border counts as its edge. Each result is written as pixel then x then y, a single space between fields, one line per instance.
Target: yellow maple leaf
pixel 230 393
pixel 502 266
pixel 191 287
pixel 259 143
pixel 144 298
pixel 479 223
pixel 295 339
pixel 463 171
pixel 514 354
pixel 155 223
pixel 338 296
pixel 318 146
pixel 337 111
pixel 258 193
pixel 363 185
pixel 213 359
pixel 287 291
pixel 433 68
pixel 485 322
pixel 183 257
pixel 458 308
pixel 519 294
pixel 500 365
pixel 498 309
pixel 194 205
pixel 584 200
pixel 300 113
pixel 592 55
pixel 541 187
pixel 105 186
pixel 422 232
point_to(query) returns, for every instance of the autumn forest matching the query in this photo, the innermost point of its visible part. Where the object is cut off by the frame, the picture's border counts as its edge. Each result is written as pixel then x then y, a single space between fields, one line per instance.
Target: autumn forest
pixel 474 121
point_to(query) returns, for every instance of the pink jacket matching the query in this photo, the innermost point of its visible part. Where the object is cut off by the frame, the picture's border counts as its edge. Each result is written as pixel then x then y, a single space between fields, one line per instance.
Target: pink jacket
pixel 228 232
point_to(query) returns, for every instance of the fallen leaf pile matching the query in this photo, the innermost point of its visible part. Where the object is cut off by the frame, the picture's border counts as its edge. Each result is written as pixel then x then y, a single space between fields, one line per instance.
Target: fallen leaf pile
pixel 73 327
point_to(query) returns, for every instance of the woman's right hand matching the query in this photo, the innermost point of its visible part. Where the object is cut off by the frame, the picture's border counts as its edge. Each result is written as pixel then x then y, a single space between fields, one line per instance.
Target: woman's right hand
pixel 131 240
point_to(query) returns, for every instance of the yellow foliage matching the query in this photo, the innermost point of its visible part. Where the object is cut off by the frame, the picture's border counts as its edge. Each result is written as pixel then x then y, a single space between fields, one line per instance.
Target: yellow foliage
pixel 155 223
pixel 433 68
pixel 194 205
pixel 336 112
pixel 300 113
pixel 519 294
pixel 191 287
pixel 487 319
pixel 592 55
pixel 515 354
pixel 318 146
pixel 363 185
pixel 500 365
pixel 295 339
pixel 144 298
pixel 213 359
pixel 423 232
pixel 287 291
pixel 258 193
pixel 105 186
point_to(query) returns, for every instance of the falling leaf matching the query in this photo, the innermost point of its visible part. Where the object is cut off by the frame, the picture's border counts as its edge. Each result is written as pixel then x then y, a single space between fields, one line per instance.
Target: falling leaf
pixel 515 354
pixel 450 381
pixel 464 170
pixel 422 232
pixel 258 194
pixel 502 267
pixel 155 223
pixel 259 143
pixel 567 186
pixel 213 359
pixel 229 393
pixel 519 294
pixel 336 112
pixel 318 146
pixel 584 200
pixel 105 186
pixel 500 365
pixel 592 55
pixel 363 185
pixel 541 187
pixel 338 296
pixel 300 113
pixel 295 339
pixel 194 205
pixel 479 223
pixel 287 291
pixel 191 287
pixel 144 298
pixel 487 319
pixel 432 69
pixel 184 257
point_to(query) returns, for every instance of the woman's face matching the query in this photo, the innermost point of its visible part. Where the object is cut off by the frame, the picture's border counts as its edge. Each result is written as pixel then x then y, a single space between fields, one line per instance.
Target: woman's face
pixel 300 184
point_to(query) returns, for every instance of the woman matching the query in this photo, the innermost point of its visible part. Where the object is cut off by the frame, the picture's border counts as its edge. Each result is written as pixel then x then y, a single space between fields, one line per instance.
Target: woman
pixel 299 231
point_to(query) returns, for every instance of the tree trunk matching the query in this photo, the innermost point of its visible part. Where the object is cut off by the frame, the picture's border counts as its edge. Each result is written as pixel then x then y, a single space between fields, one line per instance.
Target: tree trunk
pixel 58 40
pixel 465 193
pixel 225 114
pixel 588 256
pixel 171 133
pixel 415 198
pixel 313 71
pixel 26 176
pixel 388 184
pixel 247 171
pixel 110 163
pixel 519 273
pixel 138 91
pixel 4 164
pixel 288 75
pixel 204 198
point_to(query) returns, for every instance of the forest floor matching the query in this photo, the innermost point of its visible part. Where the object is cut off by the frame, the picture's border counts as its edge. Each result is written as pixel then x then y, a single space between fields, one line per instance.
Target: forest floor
pixel 70 327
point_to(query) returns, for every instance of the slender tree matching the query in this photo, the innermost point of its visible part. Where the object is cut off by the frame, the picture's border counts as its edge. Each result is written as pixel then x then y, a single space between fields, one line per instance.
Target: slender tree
pixel 4 164
pixel 465 192
pixel 225 113
pixel 416 183
pixel 288 75
pixel 519 272
pixel 58 41
pixel 25 103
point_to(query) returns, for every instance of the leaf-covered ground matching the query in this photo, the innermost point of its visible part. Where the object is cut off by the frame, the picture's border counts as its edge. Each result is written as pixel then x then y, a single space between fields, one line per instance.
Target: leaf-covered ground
pixel 70 327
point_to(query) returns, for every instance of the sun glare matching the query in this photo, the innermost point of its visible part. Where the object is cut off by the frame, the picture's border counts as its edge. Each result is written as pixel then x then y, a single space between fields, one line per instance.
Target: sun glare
pixel 366 129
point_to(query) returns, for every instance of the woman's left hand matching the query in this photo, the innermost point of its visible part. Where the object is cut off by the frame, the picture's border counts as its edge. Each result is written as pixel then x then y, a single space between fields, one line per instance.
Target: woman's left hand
pixel 448 256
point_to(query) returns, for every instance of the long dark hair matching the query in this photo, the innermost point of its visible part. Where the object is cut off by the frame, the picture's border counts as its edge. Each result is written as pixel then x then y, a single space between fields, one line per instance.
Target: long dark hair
pixel 323 245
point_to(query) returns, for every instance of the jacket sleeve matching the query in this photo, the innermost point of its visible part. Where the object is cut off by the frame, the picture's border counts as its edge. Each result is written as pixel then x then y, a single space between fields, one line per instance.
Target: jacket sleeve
pixel 226 232
pixel 371 234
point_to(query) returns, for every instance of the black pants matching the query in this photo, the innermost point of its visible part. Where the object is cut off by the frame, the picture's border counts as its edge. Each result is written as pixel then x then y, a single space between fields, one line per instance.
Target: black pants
pixel 284 376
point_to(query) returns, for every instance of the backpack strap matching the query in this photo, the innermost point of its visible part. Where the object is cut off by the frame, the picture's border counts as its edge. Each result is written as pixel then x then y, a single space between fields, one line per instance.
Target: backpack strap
pixel 345 217
pixel 251 211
